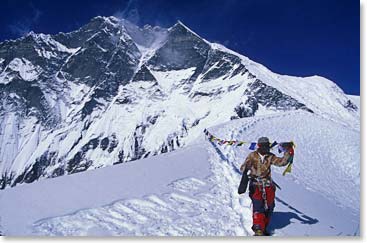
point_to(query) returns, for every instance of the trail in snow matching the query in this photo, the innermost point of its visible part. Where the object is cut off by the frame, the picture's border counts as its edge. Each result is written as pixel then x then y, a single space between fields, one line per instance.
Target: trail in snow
pixel 193 191
pixel 307 192
pixel 195 207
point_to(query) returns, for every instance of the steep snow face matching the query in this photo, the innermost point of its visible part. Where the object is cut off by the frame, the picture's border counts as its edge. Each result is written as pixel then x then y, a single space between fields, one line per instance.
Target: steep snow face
pixel 170 80
pixel 319 94
pixel 22 67
pixel 193 190
pixel 56 47
pixel 111 92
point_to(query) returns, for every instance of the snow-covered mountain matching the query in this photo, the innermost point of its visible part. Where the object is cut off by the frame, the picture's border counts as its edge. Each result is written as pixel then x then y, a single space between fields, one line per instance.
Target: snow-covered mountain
pixel 193 191
pixel 111 92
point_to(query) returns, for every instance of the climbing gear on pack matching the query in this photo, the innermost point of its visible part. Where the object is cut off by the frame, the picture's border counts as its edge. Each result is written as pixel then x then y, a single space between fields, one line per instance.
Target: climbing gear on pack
pixel 263 193
pixel 260 181
pixel 244 182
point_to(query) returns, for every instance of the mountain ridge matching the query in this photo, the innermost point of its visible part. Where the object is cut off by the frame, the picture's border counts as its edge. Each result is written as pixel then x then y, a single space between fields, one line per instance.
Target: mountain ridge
pixel 95 97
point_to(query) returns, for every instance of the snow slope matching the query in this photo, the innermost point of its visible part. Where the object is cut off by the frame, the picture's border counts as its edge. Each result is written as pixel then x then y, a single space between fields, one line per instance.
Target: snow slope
pixel 193 191
pixel 141 92
pixel 356 99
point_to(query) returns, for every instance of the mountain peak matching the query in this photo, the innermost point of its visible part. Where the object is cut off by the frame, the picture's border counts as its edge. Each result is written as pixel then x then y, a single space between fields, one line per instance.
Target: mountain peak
pixel 104 18
pixel 182 27
pixel 100 21
pixel 111 69
pixel 181 24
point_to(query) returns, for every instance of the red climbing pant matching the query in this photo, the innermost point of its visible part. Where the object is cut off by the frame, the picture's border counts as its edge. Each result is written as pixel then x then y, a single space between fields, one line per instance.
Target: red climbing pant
pixel 260 215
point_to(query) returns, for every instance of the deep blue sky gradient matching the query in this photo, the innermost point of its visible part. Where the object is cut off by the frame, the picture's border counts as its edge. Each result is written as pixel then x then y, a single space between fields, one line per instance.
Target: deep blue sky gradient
pixel 294 37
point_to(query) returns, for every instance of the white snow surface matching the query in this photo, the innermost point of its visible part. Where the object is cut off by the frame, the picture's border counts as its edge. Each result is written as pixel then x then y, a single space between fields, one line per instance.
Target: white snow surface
pixel 183 108
pixel 53 46
pixel 320 197
pixel 171 79
pixel 356 99
pixel 193 191
pixel 319 94
pixel 26 70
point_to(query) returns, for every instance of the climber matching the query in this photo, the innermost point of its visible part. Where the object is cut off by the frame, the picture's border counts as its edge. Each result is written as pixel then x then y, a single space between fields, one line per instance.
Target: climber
pixel 261 187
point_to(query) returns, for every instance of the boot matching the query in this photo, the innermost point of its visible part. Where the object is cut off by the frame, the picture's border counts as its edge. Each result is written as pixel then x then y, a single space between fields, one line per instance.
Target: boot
pixel 259 232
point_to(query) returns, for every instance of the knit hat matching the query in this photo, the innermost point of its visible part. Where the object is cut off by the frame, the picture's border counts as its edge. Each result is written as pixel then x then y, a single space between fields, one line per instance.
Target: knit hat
pixel 263 140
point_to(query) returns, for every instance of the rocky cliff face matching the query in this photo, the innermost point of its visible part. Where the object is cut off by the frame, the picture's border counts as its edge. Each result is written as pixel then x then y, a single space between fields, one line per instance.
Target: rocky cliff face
pixel 111 92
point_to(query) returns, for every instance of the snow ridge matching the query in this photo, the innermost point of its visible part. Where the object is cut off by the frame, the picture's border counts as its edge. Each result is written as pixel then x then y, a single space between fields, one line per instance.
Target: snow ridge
pixel 142 92
pixel 193 191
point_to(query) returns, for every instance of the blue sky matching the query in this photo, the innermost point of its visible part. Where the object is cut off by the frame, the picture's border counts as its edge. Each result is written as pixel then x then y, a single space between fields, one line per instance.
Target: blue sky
pixel 294 37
